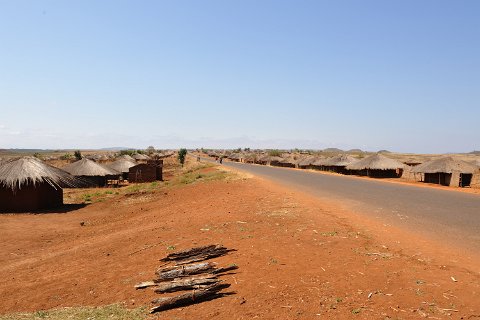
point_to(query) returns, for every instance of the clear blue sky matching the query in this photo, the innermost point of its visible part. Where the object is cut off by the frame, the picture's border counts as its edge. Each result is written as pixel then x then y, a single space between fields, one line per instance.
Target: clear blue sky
pixel 396 75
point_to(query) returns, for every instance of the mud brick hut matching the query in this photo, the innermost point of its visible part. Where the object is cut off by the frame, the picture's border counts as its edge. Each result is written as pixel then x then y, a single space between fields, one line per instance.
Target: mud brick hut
pixel 123 166
pixel 377 166
pixel 29 184
pixel 447 171
pixel 337 163
pixel 146 172
pixel 94 173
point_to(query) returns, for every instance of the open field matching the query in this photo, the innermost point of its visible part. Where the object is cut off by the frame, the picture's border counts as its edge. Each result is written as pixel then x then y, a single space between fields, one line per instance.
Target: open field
pixel 298 257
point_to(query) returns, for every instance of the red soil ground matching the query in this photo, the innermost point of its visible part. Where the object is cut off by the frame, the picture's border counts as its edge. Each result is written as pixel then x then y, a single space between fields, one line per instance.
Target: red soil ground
pixel 298 258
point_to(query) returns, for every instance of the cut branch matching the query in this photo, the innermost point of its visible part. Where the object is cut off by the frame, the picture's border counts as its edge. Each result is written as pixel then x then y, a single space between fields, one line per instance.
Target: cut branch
pixel 207 293
pixel 197 254
pixel 170 273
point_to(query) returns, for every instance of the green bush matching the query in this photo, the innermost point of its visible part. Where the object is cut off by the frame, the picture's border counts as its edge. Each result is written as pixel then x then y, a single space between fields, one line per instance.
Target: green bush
pixel 78 155
pixel 182 153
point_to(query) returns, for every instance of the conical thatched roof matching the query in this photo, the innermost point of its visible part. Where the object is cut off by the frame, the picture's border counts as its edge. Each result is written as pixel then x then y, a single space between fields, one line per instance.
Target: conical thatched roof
pixel 319 161
pixel 263 157
pixel 126 157
pixel 290 159
pixel 445 165
pixel 121 165
pixel 87 167
pixel 376 162
pixel 139 156
pixel 18 172
pixel 342 160
pixel 307 161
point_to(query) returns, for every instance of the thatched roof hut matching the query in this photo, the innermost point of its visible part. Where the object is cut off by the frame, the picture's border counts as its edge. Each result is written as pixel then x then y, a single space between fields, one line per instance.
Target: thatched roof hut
pixel 336 163
pixel 28 184
pixel 377 165
pixel 447 171
pixel 306 162
pixel 445 165
pixel 140 157
pixel 289 161
pixel 91 171
pixel 376 162
pixel 126 157
pixel 122 165
pixel 341 160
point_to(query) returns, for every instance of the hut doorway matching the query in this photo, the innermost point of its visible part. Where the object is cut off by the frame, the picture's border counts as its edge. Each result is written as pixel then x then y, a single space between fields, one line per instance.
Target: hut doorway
pixel 438 178
pixel 465 180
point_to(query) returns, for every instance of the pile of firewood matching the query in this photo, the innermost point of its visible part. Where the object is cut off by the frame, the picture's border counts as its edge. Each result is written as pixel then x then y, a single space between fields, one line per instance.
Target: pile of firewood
pixel 182 272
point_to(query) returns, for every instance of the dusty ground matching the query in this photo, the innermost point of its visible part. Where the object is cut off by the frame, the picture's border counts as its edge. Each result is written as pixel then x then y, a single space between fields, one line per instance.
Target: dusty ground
pixel 298 258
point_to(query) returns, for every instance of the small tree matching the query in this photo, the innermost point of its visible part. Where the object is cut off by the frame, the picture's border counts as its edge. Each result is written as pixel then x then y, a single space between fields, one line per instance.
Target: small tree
pixel 150 150
pixel 181 155
pixel 78 155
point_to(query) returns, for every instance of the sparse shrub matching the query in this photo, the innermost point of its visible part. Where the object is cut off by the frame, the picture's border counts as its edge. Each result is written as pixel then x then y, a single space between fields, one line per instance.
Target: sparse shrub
pixel 150 150
pixel 66 156
pixel 182 153
pixel 78 155
pixel 127 152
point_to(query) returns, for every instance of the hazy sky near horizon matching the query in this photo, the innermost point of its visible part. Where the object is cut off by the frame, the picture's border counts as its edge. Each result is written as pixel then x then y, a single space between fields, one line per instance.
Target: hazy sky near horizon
pixel 396 75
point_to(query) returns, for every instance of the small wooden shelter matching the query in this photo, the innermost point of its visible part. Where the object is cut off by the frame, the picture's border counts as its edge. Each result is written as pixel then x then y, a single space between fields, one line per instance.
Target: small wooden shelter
pixel 29 184
pixel 92 172
pixel 447 171
pixel 377 166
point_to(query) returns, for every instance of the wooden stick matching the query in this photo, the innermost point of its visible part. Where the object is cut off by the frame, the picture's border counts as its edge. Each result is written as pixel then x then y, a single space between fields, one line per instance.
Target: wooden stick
pixel 183 271
pixel 197 254
pixel 209 292
pixel 185 284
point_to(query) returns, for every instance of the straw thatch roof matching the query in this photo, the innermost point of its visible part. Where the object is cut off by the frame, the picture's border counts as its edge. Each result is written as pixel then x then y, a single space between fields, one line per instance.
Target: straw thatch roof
pixel 121 165
pixel 307 161
pixel 126 157
pixel 319 161
pixel 18 172
pixel 342 160
pixel 475 163
pixel 445 165
pixel 290 159
pixel 87 167
pixel 139 156
pixel 376 162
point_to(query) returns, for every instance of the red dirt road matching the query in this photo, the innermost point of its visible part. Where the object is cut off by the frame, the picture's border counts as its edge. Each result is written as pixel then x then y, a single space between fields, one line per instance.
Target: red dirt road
pixel 299 258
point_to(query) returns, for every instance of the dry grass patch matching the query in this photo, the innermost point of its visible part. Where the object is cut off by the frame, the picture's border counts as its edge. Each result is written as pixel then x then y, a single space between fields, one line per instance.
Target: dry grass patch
pixel 114 311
